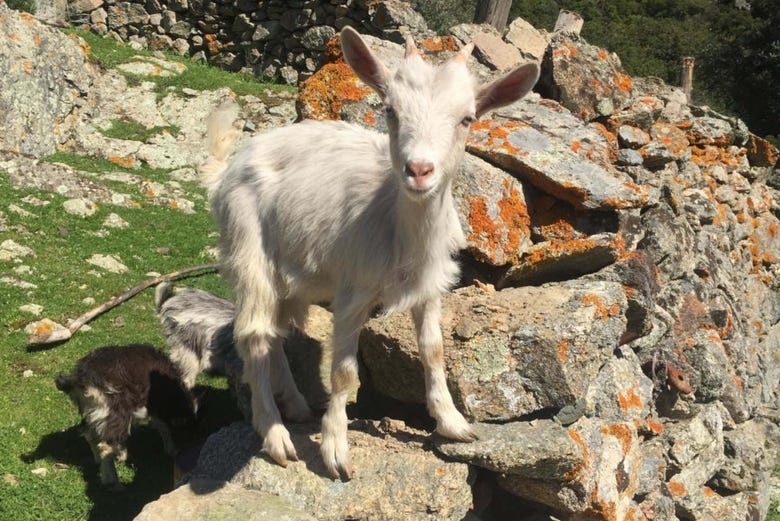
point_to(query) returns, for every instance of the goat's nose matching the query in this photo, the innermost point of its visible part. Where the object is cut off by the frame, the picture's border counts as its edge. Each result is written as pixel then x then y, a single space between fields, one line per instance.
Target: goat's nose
pixel 419 169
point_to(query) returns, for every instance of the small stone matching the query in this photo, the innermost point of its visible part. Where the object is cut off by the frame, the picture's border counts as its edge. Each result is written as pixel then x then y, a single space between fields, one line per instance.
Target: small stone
pixel 80 207
pixel 32 309
pixel 10 249
pixel 40 471
pixel 152 274
pixel 88 301
pixel 43 328
pixel 529 41
pixel 315 38
pixel 28 373
pixel 628 157
pixel 18 210
pixel 164 250
pixel 114 221
pixel 118 321
pixel 11 480
pixel 110 263
pixel 632 137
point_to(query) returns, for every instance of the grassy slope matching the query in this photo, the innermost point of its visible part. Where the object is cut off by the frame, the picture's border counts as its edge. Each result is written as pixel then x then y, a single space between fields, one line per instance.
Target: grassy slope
pixel 37 422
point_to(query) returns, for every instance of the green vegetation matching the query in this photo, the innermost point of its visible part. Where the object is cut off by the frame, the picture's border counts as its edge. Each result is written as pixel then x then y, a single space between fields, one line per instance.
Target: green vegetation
pixel 198 76
pixel 38 423
pixel 27 6
pixel 123 129
pixel 737 51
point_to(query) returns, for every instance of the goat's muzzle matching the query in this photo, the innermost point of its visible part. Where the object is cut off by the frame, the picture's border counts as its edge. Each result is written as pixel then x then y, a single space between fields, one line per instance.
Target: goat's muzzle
pixel 419 172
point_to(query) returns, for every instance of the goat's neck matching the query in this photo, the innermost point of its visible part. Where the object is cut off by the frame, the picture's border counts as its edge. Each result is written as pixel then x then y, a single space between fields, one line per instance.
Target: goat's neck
pixel 421 226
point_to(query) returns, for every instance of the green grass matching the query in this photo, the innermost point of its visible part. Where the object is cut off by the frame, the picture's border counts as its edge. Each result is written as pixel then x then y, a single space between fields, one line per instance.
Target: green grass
pixel 199 76
pixel 130 130
pixel 37 423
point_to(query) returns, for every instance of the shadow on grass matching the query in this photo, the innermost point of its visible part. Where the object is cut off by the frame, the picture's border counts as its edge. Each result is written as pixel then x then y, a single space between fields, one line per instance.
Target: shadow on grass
pixel 153 468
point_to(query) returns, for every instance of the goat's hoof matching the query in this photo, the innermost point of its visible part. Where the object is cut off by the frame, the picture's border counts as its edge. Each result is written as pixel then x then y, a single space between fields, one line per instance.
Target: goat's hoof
pixel 458 429
pixel 335 455
pixel 278 445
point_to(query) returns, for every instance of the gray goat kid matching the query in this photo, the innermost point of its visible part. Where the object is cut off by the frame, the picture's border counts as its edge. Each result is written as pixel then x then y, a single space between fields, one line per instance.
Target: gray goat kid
pixel 329 211
pixel 198 328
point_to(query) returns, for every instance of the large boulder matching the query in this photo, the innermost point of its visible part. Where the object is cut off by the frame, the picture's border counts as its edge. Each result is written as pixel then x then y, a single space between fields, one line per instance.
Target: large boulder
pixel 395 477
pixel 509 352
pixel 586 79
pixel 46 77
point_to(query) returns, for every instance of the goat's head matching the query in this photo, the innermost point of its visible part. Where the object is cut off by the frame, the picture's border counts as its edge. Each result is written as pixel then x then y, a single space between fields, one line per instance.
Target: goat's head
pixel 429 108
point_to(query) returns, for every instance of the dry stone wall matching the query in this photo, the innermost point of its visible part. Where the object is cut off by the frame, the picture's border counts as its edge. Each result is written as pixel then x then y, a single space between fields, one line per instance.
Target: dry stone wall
pixel 283 40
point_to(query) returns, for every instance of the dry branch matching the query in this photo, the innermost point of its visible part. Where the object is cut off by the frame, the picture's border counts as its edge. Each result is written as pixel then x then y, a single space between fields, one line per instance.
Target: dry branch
pixel 61 335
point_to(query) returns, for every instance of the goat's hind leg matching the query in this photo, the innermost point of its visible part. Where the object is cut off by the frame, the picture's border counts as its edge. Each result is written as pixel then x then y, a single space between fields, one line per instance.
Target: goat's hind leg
pixel 449 422
pixel 293 404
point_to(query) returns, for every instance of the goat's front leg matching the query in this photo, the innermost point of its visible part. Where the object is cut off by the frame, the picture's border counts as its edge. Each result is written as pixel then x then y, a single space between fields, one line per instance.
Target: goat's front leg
pixel 449 422
pixel 343 376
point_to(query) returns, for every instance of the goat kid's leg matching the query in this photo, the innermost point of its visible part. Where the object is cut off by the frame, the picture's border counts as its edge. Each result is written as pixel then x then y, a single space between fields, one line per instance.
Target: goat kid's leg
pixel 449 422
pixel 107 453
pixel 255 351
pixel 343 376
pixel 165 434
pixel 293 404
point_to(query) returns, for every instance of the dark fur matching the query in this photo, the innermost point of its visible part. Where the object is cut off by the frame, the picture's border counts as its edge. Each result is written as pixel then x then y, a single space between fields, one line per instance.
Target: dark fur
pixel 130 378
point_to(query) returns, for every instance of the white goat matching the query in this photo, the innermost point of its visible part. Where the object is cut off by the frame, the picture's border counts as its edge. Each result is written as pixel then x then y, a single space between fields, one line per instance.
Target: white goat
pixel 328 211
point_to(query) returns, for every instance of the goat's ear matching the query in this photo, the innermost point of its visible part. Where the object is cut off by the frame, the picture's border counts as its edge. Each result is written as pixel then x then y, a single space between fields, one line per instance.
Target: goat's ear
pixel 357 54
pixel 508 88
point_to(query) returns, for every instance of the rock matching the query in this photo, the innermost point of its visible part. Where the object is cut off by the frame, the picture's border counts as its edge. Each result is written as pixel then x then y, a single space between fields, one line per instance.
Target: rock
pixel 508 353
pixel 84 6
pixel 149 66
pixel 207 500
pixel 604 482
pixel 43 328
pixel 40 472
pixel 492 211
pixel 47 76
pixel 489 48
pixel 751 451
pixel 529 41
pixel 584 78
pixel 395 477
pixel 563 259
pixel 126 13
pixel 632 137
pixel 114 221
pixel 397 19
pixel 80 207
pixel 110 263
pixel 32 309
pixel 540 449
pixel 547 163
pixel 628 157
pixel 10 249
pixel 316 37
pixel 761 152
pixel 710 131
pixel 620 392
pixel 669 144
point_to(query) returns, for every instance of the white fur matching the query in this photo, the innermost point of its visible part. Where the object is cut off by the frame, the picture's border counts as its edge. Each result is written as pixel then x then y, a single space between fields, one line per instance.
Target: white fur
pixel 325 211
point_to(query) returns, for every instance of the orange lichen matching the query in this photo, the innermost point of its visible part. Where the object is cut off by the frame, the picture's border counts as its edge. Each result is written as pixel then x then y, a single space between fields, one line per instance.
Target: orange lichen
pixel 123 161
pixel 601 311
pixel 577 469
pixel 603 54
pixel 43 329
pixel 630 399
pixel 436 44
pixel 212 44
pixel 327 90
pixel 676 489
pixel 708 492
pixel 557 249
pixel 622 433
pixel 514 214
pixel 576 145
pixel 654 426
pixel 370 118
pixel 503 238
pixel 27 66
pixel 623 82
pixel 563 351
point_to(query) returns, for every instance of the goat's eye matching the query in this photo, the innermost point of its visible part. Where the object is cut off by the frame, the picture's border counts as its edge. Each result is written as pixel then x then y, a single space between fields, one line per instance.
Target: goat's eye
pixel 467 121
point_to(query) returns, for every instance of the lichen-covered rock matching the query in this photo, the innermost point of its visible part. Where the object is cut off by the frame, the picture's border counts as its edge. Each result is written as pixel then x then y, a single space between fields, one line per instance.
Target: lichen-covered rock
pixel 602 486
pixel 46 77
pixel 620 392
pixel 508 353
pixel 493 212
pixel 395 477
pixel 209 500
pixel 586 79
pixel 552 166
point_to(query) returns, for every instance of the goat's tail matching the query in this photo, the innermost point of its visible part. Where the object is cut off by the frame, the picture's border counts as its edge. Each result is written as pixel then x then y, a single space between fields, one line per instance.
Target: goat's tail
pixel 220 135
pixel 64 382
pixel 162 292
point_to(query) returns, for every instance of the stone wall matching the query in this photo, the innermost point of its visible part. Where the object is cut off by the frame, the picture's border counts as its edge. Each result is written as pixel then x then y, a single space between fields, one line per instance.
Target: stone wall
pixel 283 40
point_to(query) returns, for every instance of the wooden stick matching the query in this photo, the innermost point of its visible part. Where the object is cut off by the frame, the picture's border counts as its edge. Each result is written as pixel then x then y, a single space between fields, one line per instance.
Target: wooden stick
pixel 61 335
pixel 687 77
pixel 568 22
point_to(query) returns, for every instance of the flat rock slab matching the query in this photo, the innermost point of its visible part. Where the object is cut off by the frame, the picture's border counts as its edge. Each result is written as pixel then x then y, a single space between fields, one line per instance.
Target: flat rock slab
pixel 541 449
pixel 395 477
pixel 208 500
pixel 552 165
pixel 508 353
pixel 148 66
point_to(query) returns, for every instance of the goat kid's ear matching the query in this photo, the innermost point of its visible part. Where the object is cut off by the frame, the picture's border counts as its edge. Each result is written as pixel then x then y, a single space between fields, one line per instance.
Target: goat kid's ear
pixel 357 54
pixel 508 88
